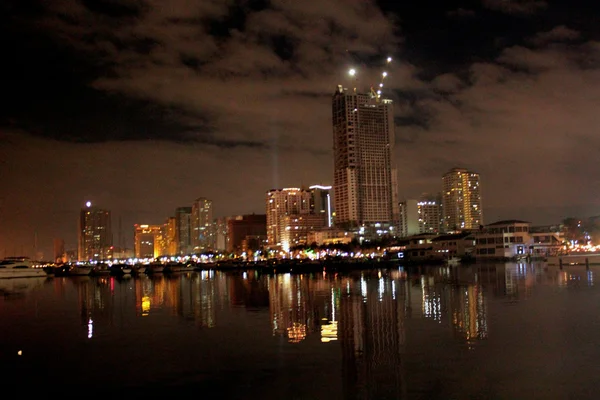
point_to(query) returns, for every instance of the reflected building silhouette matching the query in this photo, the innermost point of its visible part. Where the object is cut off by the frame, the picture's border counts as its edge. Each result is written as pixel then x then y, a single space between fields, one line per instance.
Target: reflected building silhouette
pixel 289 305
pixel 469 313
pixel 371 335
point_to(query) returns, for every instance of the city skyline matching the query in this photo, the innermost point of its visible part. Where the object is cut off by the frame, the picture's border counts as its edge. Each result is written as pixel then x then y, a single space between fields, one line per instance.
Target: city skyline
pixel 142 108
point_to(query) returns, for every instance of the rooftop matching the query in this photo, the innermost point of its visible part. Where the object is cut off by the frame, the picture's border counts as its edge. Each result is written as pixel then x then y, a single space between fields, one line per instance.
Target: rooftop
pixel 509 222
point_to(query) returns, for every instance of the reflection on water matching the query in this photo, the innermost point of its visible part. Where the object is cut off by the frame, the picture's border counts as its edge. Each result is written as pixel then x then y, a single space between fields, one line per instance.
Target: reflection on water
pixel 377 327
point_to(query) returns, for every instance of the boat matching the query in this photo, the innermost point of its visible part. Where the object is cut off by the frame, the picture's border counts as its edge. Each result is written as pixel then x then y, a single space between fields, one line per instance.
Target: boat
pixel 80 270
pixel 138 269
pixel 20 267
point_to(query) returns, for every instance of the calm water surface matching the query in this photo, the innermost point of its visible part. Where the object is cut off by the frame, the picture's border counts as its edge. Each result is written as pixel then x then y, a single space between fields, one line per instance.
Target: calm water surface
pixel 514 331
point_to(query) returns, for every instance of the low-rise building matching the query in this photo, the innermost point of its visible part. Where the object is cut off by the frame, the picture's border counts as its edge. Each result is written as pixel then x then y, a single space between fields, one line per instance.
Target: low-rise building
pixel 455 245
pixel 509 239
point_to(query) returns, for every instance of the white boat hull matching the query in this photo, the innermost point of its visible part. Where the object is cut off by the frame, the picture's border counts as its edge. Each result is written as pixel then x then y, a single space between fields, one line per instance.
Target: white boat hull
pixel 22 273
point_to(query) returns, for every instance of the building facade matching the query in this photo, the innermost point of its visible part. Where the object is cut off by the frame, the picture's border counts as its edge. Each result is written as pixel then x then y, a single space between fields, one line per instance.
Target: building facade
pixel 508 239
pixel 202 223
pixel 409 218
pixel 148 241
pixel 365 181
pixel 321 203
pixel 243 228
pixel 183 230
pixel 95 233
pixel 281 203
pixel 461 196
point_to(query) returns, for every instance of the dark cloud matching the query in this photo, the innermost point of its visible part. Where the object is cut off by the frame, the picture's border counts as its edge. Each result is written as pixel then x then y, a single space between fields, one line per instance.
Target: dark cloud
pixel 516 6
pixel 143 106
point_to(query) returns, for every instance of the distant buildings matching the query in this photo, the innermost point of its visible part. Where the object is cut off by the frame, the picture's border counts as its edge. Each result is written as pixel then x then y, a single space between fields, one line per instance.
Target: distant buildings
pixel 420 216
pixel 183 230
pixel 365 181
pixel 246 233
pixel 148 241
pixel 202 220
pixel 95 233
pixel 281 203
pixel 461 196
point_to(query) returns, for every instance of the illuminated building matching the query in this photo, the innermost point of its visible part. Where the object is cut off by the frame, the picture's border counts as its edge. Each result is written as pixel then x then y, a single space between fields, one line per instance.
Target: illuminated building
pixel 202 219
pixel 504 240
pixel 365 181
pixel 329 236
pixel 461 200
pixel 280 203
pixel 183 223
pixel 242 227
pixel 170 237
pixel 148 241
pixel 294 229
pixel 95 233
pixel 321 203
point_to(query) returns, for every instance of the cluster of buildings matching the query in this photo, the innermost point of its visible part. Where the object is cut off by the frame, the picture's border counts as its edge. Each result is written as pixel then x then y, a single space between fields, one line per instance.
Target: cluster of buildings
pixel 362 204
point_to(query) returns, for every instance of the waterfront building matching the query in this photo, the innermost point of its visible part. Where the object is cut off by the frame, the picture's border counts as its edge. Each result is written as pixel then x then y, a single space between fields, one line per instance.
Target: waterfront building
pixel 329 236
pixel 95 233
pixel 365 177
pixel 455 245
pixel 294 229
pixel 148 241
pixel 183 230
pixel 242 229
pixel 281 203
pixel 461 200
pixel 202 219
pixel 509 239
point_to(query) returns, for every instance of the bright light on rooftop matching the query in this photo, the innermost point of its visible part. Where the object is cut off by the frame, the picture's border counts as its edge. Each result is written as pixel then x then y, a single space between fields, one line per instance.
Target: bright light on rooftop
pixel 352 72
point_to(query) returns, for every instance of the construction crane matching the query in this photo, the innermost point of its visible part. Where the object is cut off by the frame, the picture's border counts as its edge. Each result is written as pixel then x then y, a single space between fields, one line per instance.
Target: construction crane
pixel 376 94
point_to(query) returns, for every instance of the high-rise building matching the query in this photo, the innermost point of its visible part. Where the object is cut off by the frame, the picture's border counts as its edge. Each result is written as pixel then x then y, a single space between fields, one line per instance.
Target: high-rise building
pixel 202 224
pixel 461 198
pixel 321 203
pixel 170 236
pixel 430 213
pixel 365 180
pixel 280 203
pixel 148 241
pixel 183 230
pixel 409 217
pixel 95 233
pixel 243 227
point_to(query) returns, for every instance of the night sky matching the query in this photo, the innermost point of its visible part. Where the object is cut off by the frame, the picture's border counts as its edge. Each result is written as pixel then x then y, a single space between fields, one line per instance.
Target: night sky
pixel 141 106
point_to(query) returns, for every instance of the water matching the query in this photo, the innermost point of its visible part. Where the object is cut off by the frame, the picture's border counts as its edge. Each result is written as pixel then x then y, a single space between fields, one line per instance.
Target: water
pixel 513 331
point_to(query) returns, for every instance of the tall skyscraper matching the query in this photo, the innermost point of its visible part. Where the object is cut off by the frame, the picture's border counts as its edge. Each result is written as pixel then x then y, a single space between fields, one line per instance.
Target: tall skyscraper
pixel 244 227
pixel 202 224
pixel 461 198
pixel 280 203
pixel 95 233
pixel 183 230
pixel 365 180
